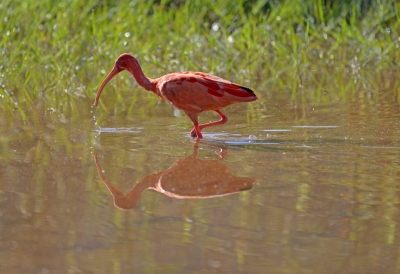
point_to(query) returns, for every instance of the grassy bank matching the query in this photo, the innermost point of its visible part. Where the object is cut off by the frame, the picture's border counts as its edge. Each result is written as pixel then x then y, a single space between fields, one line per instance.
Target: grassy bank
pixel 61 49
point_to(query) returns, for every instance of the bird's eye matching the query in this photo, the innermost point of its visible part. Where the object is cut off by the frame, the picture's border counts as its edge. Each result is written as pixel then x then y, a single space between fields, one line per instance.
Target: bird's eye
pixel 118 62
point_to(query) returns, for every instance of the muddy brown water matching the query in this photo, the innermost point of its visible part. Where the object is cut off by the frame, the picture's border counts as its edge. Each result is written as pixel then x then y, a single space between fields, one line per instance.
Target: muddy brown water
pixel 283 187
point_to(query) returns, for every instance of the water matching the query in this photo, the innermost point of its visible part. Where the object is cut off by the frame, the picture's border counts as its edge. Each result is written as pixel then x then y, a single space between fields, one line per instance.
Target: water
pixel 284 187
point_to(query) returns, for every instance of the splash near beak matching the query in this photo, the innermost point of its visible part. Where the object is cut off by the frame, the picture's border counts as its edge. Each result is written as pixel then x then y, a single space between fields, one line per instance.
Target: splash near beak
pixel 110 75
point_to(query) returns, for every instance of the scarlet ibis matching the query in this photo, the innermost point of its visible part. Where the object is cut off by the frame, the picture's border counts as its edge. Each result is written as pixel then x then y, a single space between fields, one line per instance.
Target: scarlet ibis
pixel 191 92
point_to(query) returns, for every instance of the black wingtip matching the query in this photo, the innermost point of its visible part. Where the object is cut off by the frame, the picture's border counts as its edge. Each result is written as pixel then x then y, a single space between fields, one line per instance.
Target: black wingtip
pixel 246 89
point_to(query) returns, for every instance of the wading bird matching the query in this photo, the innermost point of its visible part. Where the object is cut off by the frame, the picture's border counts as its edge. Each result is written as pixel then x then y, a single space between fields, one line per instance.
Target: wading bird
pixel 191 92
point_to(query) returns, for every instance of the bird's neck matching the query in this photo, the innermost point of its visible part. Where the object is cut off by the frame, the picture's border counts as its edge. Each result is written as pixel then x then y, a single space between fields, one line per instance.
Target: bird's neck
pixel 141 79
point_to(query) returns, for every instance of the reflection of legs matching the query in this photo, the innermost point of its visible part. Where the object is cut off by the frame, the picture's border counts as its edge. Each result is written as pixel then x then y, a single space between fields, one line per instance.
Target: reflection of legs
pixel 223 120
pixel 222 153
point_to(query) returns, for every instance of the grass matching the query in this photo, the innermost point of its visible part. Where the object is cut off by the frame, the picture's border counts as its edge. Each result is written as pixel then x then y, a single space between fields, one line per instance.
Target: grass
pixel 61 50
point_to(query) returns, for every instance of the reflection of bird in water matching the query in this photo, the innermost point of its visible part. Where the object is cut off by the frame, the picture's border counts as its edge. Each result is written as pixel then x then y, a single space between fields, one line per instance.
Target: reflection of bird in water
pixel 187 178
pixel 191 92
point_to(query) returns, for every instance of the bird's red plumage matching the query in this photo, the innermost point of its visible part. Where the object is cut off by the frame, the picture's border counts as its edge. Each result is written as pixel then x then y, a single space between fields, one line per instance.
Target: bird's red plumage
pixel 201 91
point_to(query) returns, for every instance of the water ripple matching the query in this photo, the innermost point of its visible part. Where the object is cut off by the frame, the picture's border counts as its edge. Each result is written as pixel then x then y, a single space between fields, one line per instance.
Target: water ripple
pixel 119 130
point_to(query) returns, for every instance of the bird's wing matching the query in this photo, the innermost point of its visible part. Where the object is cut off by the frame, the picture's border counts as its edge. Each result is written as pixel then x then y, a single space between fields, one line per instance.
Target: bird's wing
pixel 199 91
pixel 220 87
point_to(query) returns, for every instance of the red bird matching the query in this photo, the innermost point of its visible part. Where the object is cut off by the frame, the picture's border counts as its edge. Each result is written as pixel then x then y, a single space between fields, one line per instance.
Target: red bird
pixel 191 92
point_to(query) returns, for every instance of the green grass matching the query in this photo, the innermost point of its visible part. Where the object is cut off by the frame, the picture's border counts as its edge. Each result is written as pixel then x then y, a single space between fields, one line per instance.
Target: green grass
pixel 62 49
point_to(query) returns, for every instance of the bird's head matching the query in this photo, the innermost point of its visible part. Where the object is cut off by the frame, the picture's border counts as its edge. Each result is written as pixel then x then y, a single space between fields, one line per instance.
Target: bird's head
pixel 124 62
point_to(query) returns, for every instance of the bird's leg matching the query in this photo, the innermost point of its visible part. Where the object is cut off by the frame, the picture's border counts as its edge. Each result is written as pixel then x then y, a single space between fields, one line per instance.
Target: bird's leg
pixel 196 132
pixel 223 120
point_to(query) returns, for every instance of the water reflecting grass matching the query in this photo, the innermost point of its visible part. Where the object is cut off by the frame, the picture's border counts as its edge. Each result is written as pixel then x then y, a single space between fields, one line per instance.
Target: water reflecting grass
pixel 325 200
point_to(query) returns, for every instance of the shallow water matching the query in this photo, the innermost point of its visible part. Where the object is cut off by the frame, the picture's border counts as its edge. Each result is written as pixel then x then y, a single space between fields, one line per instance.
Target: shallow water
pixel 283 187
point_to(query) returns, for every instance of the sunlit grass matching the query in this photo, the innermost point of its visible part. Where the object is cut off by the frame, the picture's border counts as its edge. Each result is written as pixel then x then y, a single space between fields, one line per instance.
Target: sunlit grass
pixel 63 49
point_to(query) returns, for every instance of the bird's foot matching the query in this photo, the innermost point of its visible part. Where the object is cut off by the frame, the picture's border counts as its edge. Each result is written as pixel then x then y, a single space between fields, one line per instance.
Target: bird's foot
pixel 193 133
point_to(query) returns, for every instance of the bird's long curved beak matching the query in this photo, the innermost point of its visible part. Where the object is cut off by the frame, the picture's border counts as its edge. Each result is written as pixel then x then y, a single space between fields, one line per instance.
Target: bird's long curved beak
pixel 110 75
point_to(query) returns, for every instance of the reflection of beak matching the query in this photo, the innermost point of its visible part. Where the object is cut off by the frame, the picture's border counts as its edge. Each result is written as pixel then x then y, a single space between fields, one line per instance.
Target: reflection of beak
pixel 112 73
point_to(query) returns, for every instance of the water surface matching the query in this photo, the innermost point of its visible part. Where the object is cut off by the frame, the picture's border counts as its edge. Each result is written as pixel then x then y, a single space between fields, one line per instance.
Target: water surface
pixel 303 187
